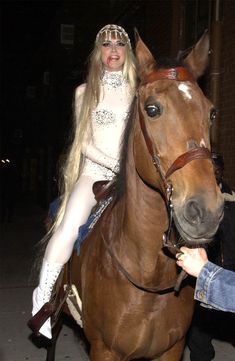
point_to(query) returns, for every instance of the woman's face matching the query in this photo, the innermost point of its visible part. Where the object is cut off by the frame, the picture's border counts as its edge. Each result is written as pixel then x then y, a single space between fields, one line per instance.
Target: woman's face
pixel 113 54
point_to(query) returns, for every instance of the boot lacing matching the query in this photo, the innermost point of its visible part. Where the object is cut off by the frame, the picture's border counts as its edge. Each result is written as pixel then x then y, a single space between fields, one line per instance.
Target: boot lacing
pixel 50 280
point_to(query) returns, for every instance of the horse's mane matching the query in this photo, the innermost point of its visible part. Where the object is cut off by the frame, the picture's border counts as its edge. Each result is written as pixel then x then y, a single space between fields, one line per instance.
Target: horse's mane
pixel 120 180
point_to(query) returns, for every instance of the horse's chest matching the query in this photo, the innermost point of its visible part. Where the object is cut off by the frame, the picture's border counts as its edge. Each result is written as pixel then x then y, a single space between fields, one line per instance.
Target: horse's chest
pixel 145 329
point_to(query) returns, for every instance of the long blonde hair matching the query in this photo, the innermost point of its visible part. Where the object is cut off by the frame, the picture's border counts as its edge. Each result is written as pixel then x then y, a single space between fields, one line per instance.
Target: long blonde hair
pixel 71 170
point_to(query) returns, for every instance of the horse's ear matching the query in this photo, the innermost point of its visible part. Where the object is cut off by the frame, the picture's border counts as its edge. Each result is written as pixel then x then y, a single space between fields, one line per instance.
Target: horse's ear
pixel 145 60
pixel 198 58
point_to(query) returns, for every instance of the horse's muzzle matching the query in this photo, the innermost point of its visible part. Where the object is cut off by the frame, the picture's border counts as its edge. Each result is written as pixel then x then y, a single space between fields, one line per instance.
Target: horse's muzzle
pixel 196 223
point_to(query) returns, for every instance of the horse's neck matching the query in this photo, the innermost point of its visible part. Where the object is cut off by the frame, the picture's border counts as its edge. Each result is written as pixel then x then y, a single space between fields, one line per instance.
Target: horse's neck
pixel 143 217
pixel 146 211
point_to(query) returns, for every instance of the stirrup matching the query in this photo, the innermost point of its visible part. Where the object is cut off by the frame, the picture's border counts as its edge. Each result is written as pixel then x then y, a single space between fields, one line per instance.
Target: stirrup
pixel 36 322
pixel 51 309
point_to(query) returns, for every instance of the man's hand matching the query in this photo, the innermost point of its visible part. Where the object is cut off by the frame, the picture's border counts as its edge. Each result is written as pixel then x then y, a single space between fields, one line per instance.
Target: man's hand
pixel 192 260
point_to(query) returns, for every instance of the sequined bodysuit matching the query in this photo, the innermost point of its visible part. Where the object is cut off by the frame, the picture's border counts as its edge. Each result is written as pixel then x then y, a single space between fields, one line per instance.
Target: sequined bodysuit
pixel 102 151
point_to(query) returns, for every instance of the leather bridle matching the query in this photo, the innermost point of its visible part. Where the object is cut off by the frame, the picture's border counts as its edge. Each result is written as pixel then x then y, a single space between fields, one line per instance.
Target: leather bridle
pixel 179 74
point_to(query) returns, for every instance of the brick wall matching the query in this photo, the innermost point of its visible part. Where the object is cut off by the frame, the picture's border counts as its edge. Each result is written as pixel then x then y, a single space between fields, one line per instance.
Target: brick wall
pixel 159 36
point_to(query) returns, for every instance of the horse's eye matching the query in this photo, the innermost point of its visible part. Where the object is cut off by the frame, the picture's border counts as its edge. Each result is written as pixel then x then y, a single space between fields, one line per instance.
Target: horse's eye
pixel 213 114
pixel 153 110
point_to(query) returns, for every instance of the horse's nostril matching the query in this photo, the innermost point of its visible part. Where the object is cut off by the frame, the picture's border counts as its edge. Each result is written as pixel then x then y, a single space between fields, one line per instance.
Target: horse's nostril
pixel 193 212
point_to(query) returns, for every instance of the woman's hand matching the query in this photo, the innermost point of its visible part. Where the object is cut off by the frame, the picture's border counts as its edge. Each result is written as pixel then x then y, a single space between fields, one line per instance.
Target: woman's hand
pixel 192 260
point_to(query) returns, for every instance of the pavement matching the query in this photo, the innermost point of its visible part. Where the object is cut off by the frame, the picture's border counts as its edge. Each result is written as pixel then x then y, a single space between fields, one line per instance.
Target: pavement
pixel 18 252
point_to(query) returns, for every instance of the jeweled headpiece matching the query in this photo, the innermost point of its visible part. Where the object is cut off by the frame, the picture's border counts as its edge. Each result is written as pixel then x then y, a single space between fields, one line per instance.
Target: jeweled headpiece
pixel 113 31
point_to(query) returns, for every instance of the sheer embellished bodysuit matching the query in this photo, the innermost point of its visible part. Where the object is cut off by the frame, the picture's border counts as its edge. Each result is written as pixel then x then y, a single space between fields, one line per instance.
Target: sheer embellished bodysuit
pixel 101 161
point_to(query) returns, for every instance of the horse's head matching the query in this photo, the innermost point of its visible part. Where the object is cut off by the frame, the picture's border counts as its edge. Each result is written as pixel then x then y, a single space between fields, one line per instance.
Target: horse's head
pixel 173 135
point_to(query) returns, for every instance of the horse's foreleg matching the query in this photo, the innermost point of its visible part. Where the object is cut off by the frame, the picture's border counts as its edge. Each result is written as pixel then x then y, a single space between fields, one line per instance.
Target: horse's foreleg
pixel 173 354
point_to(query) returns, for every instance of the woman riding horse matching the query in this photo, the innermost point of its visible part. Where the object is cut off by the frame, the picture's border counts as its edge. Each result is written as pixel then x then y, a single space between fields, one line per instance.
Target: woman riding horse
pixel 124 274
pixel 126 271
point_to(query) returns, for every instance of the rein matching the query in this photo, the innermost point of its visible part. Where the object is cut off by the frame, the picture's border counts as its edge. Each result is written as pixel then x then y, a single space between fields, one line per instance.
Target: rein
pixel 151 289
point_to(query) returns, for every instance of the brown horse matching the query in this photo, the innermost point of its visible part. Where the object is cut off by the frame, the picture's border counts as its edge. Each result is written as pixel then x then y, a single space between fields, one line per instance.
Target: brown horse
pixel 124 275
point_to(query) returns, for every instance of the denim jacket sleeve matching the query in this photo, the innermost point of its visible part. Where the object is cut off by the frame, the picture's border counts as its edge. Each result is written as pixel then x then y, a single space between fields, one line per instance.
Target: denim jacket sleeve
pixel 215 287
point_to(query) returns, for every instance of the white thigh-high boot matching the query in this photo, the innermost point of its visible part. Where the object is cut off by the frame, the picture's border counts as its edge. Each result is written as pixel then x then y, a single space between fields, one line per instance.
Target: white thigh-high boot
pixel 60 246
pixel 42 294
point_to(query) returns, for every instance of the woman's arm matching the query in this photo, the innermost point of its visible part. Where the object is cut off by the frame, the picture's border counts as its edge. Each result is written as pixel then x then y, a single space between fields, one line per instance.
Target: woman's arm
pixel 79 92
pixel 97 156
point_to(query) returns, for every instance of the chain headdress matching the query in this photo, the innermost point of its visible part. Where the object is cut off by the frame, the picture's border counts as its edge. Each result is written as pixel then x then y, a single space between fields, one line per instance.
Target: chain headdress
pixel 112 30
